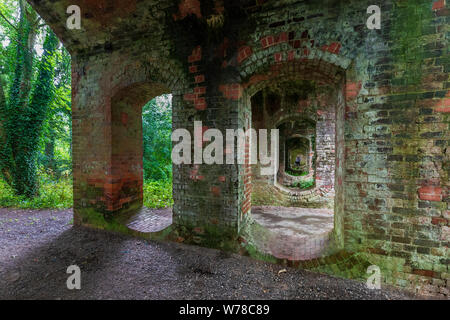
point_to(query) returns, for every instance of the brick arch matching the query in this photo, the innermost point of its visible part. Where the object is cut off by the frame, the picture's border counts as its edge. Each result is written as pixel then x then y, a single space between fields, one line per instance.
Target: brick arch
pixel 294 116
pixel 137 83
pixel 108 122
pixel 282 170
pixel 323 72
pixel 159 72
pixel 317 70
pixel 298 39
pixel 126 175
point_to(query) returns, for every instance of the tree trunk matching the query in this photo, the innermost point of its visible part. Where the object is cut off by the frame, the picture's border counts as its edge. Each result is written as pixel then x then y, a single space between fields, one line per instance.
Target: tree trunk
pixel 50 153
pixel 4 156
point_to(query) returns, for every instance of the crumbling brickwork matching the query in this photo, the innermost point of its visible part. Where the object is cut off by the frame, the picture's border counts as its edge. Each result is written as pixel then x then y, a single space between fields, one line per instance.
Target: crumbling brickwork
pixel 392 129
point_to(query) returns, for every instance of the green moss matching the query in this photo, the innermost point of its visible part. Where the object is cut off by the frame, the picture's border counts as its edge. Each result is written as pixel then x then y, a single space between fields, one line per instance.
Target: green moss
pixel 408 28
pixel 303 185
pixel 262 195
pixel 90 217
pixel 254 253
pixel 297 173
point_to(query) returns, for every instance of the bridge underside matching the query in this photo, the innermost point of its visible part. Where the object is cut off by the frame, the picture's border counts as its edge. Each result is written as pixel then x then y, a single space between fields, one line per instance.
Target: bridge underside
pixel 390 96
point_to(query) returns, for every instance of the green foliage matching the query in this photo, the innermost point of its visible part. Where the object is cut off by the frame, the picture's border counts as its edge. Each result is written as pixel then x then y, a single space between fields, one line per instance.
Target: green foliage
pixel 297 173
pixel 157 131
pixel 303 185
pixel 7 47
pixel 55 155
pixel 12 109
pixel 28 122
pixel 22 115
pixel 54 195
pixel 158 194
pixel 59 195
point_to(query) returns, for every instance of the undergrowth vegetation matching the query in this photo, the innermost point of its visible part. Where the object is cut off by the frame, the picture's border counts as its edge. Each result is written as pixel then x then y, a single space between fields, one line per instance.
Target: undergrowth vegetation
pixel 52 195
pixel 296 173
pixel 303 185
pixel 59 195
pixel 158 194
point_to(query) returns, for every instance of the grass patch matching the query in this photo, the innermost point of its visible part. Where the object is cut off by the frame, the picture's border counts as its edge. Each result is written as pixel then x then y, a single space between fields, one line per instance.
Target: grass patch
pixel 59 195
pixel 297 173
pixel 303 185
pixel 52 195
pixel 158 194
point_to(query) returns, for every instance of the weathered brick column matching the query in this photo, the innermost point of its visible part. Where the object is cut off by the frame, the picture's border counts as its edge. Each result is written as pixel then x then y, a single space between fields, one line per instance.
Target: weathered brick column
pixel 107 140
pixel 208 197
pixel 92 143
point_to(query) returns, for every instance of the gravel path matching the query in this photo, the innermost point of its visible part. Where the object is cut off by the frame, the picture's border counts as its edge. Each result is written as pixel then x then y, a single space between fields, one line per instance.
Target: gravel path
pixel 36 247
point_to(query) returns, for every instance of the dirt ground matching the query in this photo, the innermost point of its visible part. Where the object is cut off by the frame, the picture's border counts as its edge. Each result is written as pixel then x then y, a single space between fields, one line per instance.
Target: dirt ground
pixel 36 247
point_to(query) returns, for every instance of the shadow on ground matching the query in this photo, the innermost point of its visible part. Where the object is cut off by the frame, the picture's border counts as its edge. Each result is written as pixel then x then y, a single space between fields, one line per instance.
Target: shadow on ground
pixel 36 247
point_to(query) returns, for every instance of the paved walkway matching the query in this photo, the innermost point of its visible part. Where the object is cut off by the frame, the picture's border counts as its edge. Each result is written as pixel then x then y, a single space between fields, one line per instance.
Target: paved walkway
pixel 293 233
pixel 150 220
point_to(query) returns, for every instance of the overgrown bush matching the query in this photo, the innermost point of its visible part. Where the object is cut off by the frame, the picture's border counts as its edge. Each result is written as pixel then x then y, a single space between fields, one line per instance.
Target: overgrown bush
pixel 53 195
pixel 157 132
pixel 158 194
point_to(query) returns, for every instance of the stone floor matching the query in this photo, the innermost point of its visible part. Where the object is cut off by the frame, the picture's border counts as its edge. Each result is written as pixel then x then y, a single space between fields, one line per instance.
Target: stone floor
pixel 150 220
pixel 36 247
pixel 293 233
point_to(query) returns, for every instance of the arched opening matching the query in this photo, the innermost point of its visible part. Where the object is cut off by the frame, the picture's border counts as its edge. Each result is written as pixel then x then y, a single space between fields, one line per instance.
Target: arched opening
pixel 296 156
pixel 293 214
pixel 141 166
